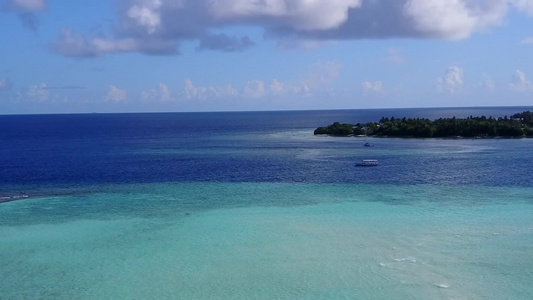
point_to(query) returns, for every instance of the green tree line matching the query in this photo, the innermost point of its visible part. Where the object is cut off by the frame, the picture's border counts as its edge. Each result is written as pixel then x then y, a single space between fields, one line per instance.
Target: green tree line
pixel 518 125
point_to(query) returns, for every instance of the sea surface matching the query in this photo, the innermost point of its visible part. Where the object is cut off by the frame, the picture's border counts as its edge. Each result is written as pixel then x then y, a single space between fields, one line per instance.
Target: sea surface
pixel 252 205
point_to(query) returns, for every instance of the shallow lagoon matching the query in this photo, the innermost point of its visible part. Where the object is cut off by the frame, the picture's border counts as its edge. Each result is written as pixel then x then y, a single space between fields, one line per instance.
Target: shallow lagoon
pixel 348 242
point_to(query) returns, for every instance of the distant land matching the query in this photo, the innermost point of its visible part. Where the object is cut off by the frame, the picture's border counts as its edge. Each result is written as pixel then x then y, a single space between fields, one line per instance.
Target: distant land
pixel 516 126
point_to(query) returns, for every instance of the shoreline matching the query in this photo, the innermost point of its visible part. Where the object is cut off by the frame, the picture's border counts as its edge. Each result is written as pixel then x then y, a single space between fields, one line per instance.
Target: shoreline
pixel 444 137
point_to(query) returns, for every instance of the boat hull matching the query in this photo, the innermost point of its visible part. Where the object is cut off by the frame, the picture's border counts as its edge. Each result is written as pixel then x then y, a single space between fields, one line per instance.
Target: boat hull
pixel 367 163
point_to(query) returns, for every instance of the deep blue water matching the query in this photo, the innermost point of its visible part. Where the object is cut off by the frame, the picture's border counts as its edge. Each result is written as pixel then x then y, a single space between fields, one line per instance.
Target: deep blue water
pixel 39 153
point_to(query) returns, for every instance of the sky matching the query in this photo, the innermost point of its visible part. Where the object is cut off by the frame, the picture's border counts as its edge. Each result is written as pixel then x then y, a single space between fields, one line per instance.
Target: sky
pixel 85 56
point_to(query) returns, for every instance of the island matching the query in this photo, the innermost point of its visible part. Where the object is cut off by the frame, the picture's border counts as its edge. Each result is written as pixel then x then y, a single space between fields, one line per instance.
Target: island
pixel 518 125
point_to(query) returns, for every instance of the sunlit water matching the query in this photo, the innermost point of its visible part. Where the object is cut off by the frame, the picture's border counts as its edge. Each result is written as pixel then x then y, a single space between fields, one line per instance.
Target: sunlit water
pixel 264 213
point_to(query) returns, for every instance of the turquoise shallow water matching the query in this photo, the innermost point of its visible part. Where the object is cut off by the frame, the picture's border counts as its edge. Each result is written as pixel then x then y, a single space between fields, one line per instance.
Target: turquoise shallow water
pixel 305 241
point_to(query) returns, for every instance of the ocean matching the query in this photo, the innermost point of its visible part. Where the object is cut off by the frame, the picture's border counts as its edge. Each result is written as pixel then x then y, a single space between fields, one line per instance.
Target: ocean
pixel 252 205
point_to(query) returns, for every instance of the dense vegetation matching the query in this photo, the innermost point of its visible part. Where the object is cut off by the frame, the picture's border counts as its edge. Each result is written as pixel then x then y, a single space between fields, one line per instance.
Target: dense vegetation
pixel 518 125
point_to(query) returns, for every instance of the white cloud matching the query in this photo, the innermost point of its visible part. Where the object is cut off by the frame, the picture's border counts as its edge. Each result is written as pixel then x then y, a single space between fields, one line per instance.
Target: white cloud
pixel 452 81
pixel 159 26
pixel 200 92
pixel 454 19
pixel 146 14
pixel 190 90
pixel 375 87
pixel 39 92
pixel 161 93
pixel 520 82
pixel 277 87
pixel 194 92
pixel 164 92
pixel 254 89
pixel 318 79
pixel 5 85
pixel 115 94
pixel 299 14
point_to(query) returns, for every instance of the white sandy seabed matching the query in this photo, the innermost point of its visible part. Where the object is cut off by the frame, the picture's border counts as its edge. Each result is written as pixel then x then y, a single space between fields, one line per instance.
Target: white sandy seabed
pixel 348 242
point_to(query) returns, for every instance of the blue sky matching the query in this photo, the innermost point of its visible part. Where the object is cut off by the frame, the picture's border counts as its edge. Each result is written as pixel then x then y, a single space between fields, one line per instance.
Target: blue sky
pixel 225 55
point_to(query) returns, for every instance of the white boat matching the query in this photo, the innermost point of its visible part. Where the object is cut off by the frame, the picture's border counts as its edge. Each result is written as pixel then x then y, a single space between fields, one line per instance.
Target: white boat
pixel 367 163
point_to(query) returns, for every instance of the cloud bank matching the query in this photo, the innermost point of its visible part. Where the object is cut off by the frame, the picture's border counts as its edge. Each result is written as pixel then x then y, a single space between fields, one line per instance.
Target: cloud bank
pixel 317 79
pixel 159 26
